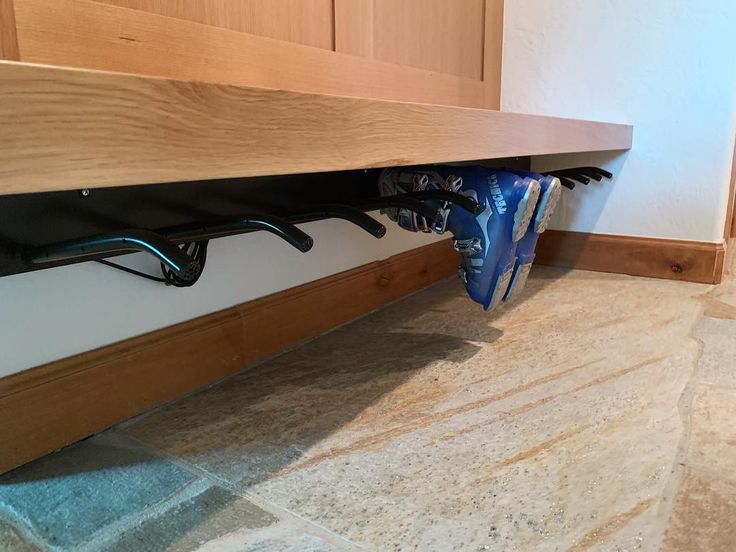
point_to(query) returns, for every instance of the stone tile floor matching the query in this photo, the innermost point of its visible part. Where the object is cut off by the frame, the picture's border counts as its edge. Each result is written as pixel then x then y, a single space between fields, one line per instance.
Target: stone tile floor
pixel 595 414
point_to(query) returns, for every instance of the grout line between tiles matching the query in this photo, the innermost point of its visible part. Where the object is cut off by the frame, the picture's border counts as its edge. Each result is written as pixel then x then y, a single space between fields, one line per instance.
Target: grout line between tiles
pixel 684 406
pixel 22 529
pixel 267 505
pixel 116 529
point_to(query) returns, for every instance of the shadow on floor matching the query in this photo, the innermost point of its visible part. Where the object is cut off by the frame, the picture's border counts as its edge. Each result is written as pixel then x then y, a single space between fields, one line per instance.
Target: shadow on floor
pixel 263 421
pixel 259 421
pixel 268 420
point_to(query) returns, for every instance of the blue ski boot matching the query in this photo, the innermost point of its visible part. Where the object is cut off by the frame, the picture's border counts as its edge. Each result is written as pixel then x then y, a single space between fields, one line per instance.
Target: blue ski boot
pixel 551 189
pixel 487 241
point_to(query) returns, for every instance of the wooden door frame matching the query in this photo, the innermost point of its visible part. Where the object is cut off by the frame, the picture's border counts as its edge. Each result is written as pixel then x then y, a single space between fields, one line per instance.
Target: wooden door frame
pixel 729 231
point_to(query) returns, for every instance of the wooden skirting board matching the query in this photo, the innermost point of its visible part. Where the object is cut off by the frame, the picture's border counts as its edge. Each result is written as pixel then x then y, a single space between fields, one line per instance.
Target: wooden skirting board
pixel 651 257
pixel 59 403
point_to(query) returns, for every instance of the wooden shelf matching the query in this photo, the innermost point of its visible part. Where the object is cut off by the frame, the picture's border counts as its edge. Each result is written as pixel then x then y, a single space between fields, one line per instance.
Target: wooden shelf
pixel 70 128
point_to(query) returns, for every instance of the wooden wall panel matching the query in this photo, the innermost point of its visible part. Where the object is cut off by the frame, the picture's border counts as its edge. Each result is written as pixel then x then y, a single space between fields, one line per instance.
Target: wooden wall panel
pixel 463 38
pixel 440 35
pixel 445 36
pixel 8 38
pixel 354 27
pixel 493 51
pixel 308 22
pixel 83 33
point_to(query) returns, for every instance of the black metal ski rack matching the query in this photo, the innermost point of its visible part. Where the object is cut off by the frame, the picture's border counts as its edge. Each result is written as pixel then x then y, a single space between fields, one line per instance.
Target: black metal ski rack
pixel 51 229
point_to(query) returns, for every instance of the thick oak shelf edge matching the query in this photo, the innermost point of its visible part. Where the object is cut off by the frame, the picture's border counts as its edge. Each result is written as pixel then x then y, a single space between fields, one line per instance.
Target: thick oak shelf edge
pixel 65 128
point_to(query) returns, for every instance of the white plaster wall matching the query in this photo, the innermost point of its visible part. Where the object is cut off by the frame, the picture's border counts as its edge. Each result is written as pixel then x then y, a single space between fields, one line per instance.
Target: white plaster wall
pixel 665 66
pixel 56 313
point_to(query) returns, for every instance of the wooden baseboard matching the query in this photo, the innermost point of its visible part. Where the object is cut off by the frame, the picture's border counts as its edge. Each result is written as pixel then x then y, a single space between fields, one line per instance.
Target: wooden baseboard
pixel 652 257
pixel 59 403
pixel 54 405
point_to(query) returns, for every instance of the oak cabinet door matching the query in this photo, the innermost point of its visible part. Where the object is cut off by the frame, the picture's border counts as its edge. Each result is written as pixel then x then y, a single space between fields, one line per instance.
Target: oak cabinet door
pixel 426 51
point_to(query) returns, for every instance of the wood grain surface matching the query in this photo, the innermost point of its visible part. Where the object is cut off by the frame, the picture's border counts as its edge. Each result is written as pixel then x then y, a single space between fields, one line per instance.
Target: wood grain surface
pixel 68 128
pixel 639 256
pixel 87 34
pixel 307 22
